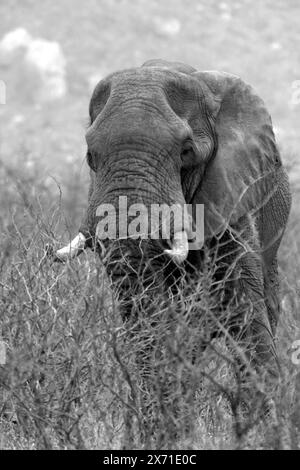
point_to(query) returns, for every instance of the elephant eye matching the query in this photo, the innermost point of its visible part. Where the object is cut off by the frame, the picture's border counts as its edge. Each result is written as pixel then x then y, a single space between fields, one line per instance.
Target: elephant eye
pixel 188 154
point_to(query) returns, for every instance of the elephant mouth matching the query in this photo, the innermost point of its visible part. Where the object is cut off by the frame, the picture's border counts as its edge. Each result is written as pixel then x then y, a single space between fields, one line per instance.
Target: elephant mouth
pixel 178 251
pixel 175 244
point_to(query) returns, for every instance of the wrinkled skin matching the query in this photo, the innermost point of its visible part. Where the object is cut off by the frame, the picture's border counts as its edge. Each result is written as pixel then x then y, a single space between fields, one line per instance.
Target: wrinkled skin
pixel 165 133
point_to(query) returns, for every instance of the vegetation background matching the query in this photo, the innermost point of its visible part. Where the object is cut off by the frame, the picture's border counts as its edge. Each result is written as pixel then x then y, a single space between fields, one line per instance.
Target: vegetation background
pixel 57 386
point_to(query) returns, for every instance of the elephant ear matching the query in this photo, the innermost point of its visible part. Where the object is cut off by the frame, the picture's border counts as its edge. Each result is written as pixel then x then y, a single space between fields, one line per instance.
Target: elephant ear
pixel 241 174
pixel 165 64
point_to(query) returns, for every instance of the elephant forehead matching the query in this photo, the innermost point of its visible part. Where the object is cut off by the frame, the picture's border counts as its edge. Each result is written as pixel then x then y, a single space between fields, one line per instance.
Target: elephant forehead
pixel 121 89
pixel 153 84
pixel 142 77
pixel 139 128
pixel 133 80
pixel 136 105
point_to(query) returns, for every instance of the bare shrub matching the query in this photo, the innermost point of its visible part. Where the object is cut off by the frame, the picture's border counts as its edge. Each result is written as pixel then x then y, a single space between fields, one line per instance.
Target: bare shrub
pixel 76 376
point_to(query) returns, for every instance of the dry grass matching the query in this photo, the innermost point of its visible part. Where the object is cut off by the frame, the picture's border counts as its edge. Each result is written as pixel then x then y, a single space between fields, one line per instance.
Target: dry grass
pixel 71 378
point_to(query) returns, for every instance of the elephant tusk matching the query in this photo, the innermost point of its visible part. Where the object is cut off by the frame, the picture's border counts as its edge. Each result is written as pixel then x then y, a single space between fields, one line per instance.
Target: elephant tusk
pixel 180 247
pixel 74 248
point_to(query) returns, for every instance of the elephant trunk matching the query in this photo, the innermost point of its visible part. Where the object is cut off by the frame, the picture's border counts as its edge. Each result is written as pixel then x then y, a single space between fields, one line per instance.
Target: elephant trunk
pixel 178 251
pixel 148 195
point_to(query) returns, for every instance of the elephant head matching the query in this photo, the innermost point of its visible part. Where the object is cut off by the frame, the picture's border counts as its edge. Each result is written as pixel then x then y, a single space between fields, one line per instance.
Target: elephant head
pixel 167 134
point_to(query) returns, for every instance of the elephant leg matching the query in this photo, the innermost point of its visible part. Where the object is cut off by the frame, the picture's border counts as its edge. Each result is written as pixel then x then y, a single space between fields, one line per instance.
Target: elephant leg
pixel 250 328
pixel 258 339
pixel 257 332
pixel 166 391
pixel 161 399
pixel 271 223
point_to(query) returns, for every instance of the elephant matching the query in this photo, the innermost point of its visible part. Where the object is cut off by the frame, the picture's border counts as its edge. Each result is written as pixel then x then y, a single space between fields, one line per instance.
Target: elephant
pixel 165 133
